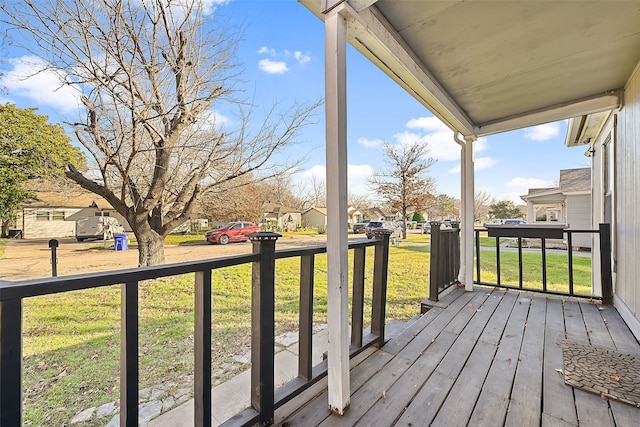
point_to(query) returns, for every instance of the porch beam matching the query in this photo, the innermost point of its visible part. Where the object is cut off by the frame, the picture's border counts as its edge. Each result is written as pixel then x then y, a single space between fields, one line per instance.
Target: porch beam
pixel 594 104
pixel 337 243
pixel 376 39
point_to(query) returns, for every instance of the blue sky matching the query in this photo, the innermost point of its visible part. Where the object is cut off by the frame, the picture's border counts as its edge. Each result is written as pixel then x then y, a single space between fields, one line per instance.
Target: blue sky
pixel 282 55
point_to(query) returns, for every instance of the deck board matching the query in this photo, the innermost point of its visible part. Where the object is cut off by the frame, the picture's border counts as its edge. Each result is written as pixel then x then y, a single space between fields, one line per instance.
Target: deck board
pixel 558 398
pixel 591 409
pixel 525 401
pixel 482 358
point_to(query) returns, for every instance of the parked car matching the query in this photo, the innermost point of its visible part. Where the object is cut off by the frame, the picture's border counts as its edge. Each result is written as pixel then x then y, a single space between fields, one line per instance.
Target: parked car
pixel 373 225
pixel 359 227
pixel 505 222
pixel 426 228
pixel 231 232
pixel 421 224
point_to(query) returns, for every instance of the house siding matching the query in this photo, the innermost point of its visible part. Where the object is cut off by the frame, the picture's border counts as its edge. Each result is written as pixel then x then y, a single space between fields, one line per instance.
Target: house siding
pixel 314 218
pixel 33 228
pixel 626 197
pixel 578 211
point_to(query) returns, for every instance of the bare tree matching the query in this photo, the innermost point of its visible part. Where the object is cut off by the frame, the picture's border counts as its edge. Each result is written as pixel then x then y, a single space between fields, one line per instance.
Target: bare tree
pixel 404 184
pixel 149 73
pixel 314 192
pixel 482 202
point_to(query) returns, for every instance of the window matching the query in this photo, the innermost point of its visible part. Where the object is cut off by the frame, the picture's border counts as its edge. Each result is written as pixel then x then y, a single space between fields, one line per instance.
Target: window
pixel 42 215
pixel 101 213
pixel 58 216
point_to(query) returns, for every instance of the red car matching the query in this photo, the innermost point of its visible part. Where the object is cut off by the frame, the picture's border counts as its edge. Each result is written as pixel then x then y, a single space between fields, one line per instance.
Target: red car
pixel 231 232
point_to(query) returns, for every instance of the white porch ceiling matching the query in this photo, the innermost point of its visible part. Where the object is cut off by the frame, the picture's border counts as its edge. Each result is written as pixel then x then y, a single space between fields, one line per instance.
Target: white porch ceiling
pixel 486 67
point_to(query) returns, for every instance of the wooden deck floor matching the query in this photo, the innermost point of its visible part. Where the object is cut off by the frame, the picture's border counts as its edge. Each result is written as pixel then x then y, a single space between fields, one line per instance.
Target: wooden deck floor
pixel 482 358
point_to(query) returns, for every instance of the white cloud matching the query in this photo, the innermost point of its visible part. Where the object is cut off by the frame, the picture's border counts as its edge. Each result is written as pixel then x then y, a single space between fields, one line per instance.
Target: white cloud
pixel 524 184
pixel 478 164
pixel 273 67
pixel 483 163
pixel 357 177
pixel 302 58
pixel 370 142
pixel 519 186
pixel 442 146
pixel 432 124
pixel 44 87
pixel 267 51
pixel 542 132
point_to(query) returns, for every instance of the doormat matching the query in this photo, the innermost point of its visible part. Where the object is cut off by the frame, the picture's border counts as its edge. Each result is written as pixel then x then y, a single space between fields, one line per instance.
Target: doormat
pixel 602 371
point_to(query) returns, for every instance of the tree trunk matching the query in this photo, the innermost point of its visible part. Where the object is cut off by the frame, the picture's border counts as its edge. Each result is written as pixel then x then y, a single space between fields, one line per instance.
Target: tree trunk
pixel 150 248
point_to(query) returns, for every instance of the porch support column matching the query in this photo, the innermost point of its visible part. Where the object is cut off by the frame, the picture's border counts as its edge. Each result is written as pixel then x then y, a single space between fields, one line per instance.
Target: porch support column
pixel 466 204
pixel 337 243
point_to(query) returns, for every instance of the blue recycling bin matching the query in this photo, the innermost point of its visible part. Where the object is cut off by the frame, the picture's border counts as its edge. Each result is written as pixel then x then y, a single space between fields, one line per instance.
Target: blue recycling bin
pixel 120 242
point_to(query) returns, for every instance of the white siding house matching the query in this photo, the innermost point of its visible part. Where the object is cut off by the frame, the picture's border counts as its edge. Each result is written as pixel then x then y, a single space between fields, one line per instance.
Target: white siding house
pixel 568 204
pixel 314 217
pixel 53 212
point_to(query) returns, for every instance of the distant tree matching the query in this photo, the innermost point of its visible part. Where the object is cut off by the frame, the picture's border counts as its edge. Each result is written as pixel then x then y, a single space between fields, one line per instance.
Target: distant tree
pixel 441 207
pixel 404 183
pixel 417 216
pixel 243 198
pixel 151 73
pixel 505 209
pixel 30 147
pixel 482 202
pixel 314 192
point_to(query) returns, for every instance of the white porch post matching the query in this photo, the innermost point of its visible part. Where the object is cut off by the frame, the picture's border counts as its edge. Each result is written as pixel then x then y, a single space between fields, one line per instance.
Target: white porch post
pixel 466 203
pixel 337 243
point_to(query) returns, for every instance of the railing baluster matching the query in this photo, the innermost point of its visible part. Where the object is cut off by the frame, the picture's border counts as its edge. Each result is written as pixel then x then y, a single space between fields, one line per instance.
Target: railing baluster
pixel 263 325
pixel 11 362
pixel 543 246
pixel 478 280
pixel 305 346
pixel 379 297
pixel 520 262
pixel 570 254
pixel 129 354
pixel 498 260
pixel 434 262
pixel 202 349
pixel 357 304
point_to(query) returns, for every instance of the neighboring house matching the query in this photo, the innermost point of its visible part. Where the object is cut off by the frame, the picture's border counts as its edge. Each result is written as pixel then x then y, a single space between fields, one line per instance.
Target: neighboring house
pixel 314 217
pixel 355 216
pixel 281 217
pixel 380 214
pixel 568 204
pixel 54 211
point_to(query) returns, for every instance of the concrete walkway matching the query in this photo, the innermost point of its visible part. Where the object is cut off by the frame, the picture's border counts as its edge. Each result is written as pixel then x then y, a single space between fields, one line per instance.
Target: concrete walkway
pixel 233 396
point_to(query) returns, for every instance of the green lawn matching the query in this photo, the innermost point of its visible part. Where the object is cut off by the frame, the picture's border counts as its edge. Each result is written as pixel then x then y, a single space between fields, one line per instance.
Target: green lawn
pixel 557 271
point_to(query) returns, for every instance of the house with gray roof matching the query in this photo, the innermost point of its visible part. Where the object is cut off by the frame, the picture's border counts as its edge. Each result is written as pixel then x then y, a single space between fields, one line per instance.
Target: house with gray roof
pixel 569 203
